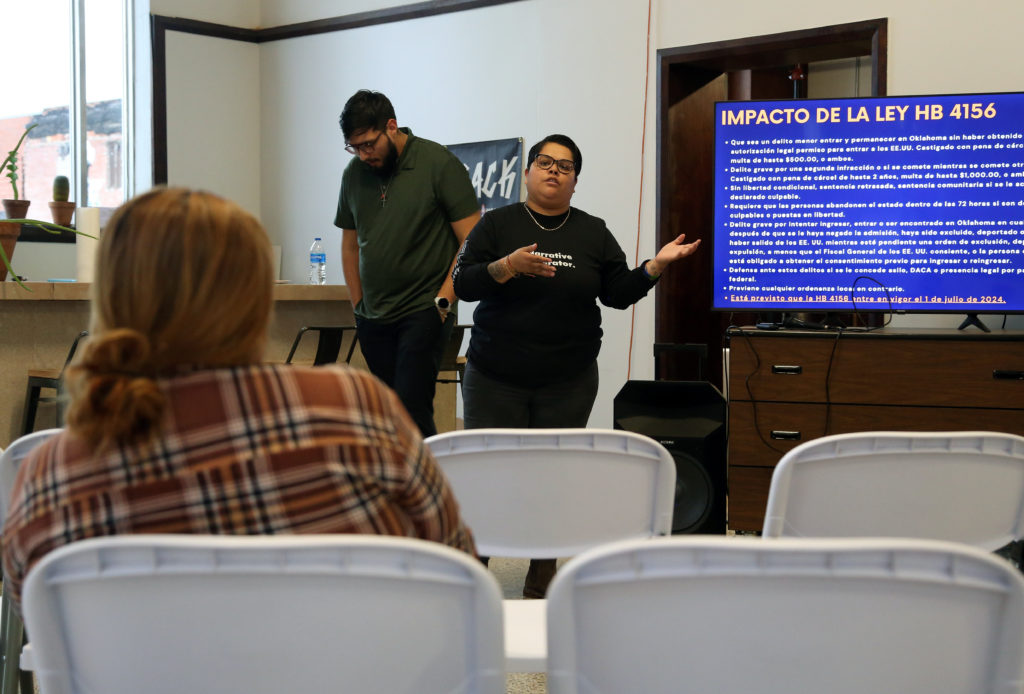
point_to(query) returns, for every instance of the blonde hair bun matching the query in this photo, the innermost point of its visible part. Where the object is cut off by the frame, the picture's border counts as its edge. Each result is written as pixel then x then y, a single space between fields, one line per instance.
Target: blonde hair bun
pixel 115 398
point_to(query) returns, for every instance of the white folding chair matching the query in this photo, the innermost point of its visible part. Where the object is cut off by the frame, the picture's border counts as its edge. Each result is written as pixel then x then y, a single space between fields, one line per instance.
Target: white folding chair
pixel 959 486
pixel 12 631
pixel 10 461
pixel 794 615
pixel 554 493
pixel 165 614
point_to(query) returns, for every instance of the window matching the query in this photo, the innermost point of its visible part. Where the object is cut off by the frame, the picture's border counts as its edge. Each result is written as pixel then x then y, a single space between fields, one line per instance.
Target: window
pixel 113 164
pixel 77 112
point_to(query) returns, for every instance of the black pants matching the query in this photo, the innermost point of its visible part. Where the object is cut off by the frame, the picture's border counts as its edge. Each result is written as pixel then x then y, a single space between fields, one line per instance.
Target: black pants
pixel 406 355
pixel 490 403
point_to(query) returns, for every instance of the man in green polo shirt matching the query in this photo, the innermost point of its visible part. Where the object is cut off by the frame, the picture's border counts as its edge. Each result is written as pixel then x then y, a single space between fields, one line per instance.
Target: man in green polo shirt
pixel 405 207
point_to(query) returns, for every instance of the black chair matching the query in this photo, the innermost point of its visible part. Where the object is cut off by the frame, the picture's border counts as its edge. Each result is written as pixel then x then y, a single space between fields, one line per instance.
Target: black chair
pixel 46 378
pixel 328 346
pixel 451 360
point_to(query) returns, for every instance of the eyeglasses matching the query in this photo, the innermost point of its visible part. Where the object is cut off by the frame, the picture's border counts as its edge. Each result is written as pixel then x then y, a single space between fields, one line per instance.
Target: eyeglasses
pixel 367 147
pixel 566 166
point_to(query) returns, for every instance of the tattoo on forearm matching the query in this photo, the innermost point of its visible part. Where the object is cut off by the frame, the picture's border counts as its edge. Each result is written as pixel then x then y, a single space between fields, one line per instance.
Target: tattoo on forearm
pixel 499 271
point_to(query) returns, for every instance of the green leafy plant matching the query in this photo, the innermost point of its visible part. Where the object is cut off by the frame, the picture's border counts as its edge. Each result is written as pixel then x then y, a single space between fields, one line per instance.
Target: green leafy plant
pixel 48 227
pixel 11 161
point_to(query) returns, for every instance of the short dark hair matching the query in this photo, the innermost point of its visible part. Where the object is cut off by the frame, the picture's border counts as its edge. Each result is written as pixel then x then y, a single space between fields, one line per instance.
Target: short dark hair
pixel 565 141
pixel 364 110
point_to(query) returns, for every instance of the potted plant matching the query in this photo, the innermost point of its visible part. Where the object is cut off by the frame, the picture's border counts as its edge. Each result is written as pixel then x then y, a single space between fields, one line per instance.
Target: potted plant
pixel 15 207
pixel 9 231
pixel 60 209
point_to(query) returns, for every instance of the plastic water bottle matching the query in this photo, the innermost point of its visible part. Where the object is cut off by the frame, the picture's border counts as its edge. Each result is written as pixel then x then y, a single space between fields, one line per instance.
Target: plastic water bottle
pixel 317 263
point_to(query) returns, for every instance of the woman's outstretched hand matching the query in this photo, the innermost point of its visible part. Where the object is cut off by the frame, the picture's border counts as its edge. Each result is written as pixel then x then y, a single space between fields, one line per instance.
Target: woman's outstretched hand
pixel 670 253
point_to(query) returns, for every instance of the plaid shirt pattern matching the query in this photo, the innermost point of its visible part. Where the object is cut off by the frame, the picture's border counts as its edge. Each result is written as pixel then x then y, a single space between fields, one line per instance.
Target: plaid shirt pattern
pixel 250 450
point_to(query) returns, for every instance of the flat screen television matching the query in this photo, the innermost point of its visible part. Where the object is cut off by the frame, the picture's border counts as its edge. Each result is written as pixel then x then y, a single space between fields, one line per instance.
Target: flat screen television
pixel 902 204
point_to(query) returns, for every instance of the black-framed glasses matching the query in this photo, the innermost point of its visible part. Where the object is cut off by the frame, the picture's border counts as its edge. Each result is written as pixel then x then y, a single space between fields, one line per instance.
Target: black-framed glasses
pixel 366 147
pixel 566 166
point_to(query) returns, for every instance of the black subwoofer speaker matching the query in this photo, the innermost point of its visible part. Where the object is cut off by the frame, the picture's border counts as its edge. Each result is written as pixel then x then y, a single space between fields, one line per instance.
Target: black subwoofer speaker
pixel 688 418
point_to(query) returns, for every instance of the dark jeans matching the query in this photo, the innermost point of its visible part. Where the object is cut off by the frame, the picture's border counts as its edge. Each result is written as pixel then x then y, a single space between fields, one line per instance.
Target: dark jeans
pixel 406 354
pixel 490 403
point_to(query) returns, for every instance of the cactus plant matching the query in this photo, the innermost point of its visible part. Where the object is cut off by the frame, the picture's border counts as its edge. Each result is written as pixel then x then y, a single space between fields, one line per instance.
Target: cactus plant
pixel 61 188
pixel 60 209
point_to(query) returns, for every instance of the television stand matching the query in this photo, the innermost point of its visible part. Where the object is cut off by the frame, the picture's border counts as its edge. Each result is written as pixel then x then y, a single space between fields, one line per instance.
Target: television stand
pixel 792 322
pixel 972 319
pixel 787 387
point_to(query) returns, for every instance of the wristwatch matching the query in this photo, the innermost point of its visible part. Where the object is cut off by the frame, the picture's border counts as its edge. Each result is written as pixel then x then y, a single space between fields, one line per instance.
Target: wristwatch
pixel 442 304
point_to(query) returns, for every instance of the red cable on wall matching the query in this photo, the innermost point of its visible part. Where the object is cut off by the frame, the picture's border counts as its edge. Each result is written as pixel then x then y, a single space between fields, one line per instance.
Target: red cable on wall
pixel 640 202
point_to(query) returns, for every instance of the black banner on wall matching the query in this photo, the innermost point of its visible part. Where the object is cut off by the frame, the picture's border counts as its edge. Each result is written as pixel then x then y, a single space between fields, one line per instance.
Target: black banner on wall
pixel 495 168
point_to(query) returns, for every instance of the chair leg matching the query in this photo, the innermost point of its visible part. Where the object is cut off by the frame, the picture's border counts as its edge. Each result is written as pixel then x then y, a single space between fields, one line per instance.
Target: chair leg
pixel 28 682
pixel 14 636
pixel 28 420
pixel 61 404
pixel 5 607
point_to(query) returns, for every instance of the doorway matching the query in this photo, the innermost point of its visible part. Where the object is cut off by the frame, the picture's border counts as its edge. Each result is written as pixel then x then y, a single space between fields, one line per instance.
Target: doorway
pixel 690 80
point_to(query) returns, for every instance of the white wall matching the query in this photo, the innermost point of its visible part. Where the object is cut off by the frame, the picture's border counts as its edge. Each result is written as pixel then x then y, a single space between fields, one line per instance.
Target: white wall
pixel 537 66
pixel 275 12
pixel 236 13
pixel 42 261
pixel 213 143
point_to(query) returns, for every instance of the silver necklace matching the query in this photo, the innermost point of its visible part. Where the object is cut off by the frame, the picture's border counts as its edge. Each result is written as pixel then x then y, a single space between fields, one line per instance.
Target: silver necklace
pixel 384 191
pixel 567 214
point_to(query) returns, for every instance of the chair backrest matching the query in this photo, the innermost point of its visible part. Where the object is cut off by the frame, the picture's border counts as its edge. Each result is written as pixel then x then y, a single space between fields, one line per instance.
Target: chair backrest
pixel 11 459
pixel 557 492
pixel 452 349
pixel 960 486
pixel 164 614
pixel 328 346
pixel 74 347
pixel 724 614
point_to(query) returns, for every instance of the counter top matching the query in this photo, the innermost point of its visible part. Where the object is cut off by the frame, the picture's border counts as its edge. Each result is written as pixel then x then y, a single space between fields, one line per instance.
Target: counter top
pixel 38 327
pixel 79 291
pixel 45 291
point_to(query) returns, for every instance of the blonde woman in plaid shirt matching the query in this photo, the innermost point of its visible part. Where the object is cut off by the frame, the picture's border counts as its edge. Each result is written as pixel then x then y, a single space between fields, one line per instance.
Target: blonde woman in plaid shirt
pixel 175 426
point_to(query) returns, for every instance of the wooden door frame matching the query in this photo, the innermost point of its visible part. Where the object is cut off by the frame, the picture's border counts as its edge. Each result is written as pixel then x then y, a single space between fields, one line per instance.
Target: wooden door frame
pixel 681 70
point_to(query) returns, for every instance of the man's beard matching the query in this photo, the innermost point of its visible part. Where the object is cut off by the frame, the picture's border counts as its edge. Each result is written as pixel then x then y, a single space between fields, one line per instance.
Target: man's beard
pixel 389 163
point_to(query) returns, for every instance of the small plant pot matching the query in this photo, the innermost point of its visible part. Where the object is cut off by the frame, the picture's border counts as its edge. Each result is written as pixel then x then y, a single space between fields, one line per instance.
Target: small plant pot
pixel 62 212
pixel 16 209
pixel 9 232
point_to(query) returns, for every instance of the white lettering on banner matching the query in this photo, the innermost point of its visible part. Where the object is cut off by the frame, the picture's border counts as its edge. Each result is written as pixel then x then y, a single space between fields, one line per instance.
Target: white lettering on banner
pixel 480 183
pixel 494 185
pixel 483 185
pixel 508 177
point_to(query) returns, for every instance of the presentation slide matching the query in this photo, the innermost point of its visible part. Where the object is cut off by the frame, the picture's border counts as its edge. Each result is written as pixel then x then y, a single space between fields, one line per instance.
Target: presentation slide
pixel 920 198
